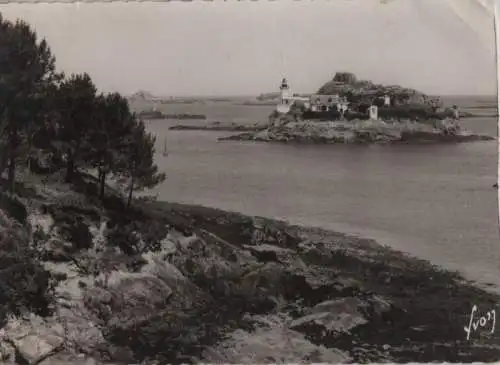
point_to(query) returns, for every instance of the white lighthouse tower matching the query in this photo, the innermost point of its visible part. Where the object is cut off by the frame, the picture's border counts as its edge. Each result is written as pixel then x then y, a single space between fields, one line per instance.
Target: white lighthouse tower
pixel 286 97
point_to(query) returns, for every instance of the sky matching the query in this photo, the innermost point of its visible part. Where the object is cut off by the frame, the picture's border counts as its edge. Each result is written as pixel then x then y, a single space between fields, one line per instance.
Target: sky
pixel 245 48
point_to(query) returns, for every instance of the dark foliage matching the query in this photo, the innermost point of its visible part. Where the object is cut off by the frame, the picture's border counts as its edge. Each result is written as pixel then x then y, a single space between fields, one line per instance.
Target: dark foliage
pixel 125 238
pixel 356 115
pixel 27 70
pixel 411 112
pixel 326 115
pixel 24 283
pixel 74 229
pixel 50 122
pixel 14 207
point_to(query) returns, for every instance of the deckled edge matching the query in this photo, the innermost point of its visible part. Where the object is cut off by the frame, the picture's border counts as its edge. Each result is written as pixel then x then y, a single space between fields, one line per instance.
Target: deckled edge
pixel 496 20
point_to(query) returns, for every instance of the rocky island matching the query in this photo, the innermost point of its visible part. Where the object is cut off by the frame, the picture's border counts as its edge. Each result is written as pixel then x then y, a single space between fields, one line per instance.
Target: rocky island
pixel 361 132
pixel 346 110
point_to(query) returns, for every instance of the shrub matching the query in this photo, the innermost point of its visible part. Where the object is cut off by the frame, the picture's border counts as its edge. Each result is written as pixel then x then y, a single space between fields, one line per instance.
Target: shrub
pixel 326 115
pixel 24 283
pixel 73 228
pixel 80 235
pixel 411 112
pixel 152 233
pixel 14 207
pixel 123 237
pixel 356 115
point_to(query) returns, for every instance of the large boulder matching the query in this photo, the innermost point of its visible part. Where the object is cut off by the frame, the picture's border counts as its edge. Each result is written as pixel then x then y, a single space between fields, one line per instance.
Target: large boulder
pixel 128 297
pixel 340 316
pixel 36 347
pixel 32 338
pixel 212 263
pixel 271 342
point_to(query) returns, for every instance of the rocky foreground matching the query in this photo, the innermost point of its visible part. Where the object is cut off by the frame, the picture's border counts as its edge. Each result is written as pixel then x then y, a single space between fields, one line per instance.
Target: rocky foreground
pixel 362 131
pixel 170 283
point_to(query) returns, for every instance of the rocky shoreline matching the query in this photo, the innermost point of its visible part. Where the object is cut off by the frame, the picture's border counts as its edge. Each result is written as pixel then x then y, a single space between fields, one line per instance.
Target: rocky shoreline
pixel 205 285
pixel 361 132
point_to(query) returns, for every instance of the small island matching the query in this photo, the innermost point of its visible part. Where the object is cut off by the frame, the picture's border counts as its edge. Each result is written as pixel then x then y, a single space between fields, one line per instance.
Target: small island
pixel 223 127
pixel 347 110
pixel 156 114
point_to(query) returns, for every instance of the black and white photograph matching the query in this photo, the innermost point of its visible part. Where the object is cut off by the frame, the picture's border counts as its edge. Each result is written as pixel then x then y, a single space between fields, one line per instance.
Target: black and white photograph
pixel 249 182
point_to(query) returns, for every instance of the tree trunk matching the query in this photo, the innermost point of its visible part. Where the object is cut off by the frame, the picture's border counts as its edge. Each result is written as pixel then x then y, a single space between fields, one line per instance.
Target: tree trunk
pixel 102 183
pixel 12 173
pixel 12 161
pixel 4 160
pixel 70 168
pixel 131 190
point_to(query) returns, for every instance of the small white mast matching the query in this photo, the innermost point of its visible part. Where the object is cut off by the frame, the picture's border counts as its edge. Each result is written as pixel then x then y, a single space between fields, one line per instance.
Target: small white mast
pixel 165 153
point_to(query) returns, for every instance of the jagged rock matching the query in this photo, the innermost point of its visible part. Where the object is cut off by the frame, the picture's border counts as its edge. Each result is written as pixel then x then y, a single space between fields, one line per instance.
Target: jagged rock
pixel 380 305
pixel 212 263
pixel 67 358
pixel 81 328
pixel 33 338
pixel 271 342
pixel 266 252
pixel 339 316
pixel 34 348
pixel 265 233
pixel 7 352
pixel 264 287
pixel 185 293
pixel 128 297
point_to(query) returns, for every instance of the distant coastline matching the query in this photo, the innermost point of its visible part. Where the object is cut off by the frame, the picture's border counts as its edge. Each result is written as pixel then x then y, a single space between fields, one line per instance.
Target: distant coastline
pixel 160 115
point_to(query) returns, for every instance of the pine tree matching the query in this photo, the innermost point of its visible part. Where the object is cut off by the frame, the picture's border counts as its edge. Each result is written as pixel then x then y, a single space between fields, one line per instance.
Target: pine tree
pixel 109 135
pixel 27 69
pixel 76 103
pixel 138 165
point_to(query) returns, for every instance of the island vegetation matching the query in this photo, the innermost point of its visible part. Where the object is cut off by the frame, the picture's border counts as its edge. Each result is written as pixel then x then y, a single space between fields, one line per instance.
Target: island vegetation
pixel 90 273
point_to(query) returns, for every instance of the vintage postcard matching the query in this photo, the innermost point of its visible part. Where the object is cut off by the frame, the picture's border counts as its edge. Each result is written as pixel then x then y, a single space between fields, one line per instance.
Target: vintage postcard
pixel 248 182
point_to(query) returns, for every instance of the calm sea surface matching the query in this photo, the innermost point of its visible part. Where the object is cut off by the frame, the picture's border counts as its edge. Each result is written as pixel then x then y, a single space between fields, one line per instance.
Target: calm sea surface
pixel 436 202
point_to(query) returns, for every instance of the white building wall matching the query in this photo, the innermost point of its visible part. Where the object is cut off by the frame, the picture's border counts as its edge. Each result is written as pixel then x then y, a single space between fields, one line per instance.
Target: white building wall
pixel 373 112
